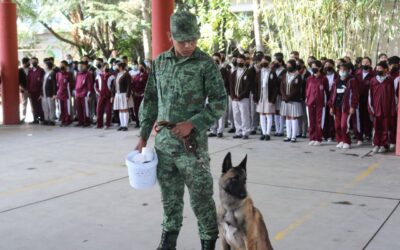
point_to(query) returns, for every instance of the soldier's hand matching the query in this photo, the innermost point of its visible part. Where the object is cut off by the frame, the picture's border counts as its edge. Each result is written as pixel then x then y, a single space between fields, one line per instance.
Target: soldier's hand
pixel 141 144
pixel 182 129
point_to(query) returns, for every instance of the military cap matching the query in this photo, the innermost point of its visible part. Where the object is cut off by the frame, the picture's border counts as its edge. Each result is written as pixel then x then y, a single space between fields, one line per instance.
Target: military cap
pixel 184 26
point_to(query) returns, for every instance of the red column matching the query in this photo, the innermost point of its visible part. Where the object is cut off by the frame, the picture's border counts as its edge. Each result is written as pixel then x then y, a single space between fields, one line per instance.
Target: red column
pixel 161 12
pixel 9 62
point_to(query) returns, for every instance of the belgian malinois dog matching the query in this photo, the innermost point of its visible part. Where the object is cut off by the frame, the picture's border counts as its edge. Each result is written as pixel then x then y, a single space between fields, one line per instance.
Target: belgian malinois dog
pixel 241 225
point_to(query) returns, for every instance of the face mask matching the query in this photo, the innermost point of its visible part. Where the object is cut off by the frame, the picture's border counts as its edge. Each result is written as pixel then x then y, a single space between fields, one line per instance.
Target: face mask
pixel 315 70
pixel 135 67
pixel 107 70
pixel 240 65
pixel 276 65
pixel 291 68
pixel 343 74
pixel 115 67
pixel 329 69
pixel 98 66
pixel 365 67
pixel 62 68
pixel 35 64
pixel 264 65
pixel 234 63
pixel 380 73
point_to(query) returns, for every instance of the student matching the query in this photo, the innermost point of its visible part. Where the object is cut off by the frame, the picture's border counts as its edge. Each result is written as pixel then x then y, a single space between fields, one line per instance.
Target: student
pixel 49 94
pixel 122 96
pixel 291 106
pixel 364 76
pixel 317 90
pixel 233 67
pixel 103 86
pixel 295 55
pixel 138 86
pixel 23 83
pixel 382 106
pixel 266 91
pixel 394 71
pixel 343 103
pixel 218 128
pixel 83 92
pixel 65 85
pixel 303 121
pixel 279 69
pixel 240 93
pixel 329 124
pixel 251 63
pixel 34 87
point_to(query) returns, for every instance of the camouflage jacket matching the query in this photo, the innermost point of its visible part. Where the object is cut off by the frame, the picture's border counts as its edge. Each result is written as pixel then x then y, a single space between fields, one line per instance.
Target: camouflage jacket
pixel 176 91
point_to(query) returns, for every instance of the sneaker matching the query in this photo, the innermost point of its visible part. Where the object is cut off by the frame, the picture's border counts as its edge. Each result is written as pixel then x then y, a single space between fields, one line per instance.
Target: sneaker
pixel 125 129
pixel 375 149
pixel 267 137
pixel 212 135
pixel 220 135
pixel 311 143
pixel 120 128
pixel 254 132
pixel 346 146
pixel 392 147
pixel 339 145
pixel 293 140
pixel 232 130
pixel 287 139
pixel 237 136
pixel 317 143
pixel 262 138
pixel 245 137
pixel 382 149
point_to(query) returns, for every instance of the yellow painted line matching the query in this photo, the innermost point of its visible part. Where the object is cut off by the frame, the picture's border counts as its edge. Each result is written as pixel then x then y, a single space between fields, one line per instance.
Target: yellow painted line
pixel 300 221
pixel 45 184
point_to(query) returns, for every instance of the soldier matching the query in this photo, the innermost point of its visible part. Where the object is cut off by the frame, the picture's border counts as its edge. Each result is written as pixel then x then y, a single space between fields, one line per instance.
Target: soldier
pixel 180 81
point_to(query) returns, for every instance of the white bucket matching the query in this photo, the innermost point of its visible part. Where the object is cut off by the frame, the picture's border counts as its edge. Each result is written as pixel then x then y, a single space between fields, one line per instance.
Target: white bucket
pixel 141 175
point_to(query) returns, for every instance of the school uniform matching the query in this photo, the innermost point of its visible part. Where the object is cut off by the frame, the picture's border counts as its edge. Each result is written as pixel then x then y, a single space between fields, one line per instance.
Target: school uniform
pixel 344 95
pixel 23 83
pixel 219 125
pixel 49 91
pixel 279 119
pixel 266 92
pixel 34 87
pixel 254 117
pixel 83 91
pixel 103 86
pixel 138 86
pixel 122 94
pixel 365 124
pixel 240 93
pixel 317 89
pixel 393 123
pixel 382 106
pixel 65 86
pixel 329 124
pixel 303 121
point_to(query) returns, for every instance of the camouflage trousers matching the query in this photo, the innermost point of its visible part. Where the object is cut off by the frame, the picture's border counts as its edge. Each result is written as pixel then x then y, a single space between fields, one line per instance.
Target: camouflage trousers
pixel 176 170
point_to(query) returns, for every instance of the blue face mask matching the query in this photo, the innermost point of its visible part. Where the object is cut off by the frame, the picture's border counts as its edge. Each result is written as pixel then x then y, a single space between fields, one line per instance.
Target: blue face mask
pixel 343 74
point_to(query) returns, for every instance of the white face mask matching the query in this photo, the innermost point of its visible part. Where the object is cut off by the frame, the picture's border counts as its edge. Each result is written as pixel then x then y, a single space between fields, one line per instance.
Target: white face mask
pixel 115 67
pixel 135 67
pixel 342 74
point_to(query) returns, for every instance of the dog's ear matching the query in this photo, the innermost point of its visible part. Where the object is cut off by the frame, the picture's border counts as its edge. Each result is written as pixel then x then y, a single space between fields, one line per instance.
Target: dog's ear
pixel 227 164
pixel 243 164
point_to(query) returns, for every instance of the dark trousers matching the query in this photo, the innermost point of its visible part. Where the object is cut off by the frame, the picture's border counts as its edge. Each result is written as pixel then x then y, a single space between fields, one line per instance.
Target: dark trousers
pixel 82 109
pixel 316 119
pixel 104 105
pixel 381 127
pixel 65 108
pixel 36 105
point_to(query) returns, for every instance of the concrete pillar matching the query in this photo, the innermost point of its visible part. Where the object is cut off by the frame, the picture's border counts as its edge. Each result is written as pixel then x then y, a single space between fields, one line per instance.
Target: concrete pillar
pixel 160 15
pixel 9 62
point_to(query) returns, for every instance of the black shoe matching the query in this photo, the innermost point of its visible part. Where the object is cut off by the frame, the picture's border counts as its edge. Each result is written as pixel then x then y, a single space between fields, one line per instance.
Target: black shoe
pixel 168 240
pixel 125 129
pixel 45 123
pixel 293 140
pixel 212 135
pixel 253 132
pixel 287 139
pixel 51 123
pixel 120 128
pixel 34 122
pixel 220 135
pixel 208 244
pixel 267 137
pixel 262 138
pixel 245 137
pixel 237 136
pixel 232 130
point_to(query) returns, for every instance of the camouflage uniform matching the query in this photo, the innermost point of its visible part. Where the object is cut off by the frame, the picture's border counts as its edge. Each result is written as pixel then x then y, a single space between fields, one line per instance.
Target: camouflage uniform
pixel 176 92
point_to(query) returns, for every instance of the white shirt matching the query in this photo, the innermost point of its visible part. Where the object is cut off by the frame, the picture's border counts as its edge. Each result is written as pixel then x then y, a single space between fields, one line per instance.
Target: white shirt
pixel 364 74
pixel 331 79
pixel 44 82
pixel 265 76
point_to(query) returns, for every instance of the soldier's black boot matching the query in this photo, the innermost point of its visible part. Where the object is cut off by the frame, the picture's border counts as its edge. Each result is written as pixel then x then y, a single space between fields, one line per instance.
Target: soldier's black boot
pixel 208 244
pixel 168 240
